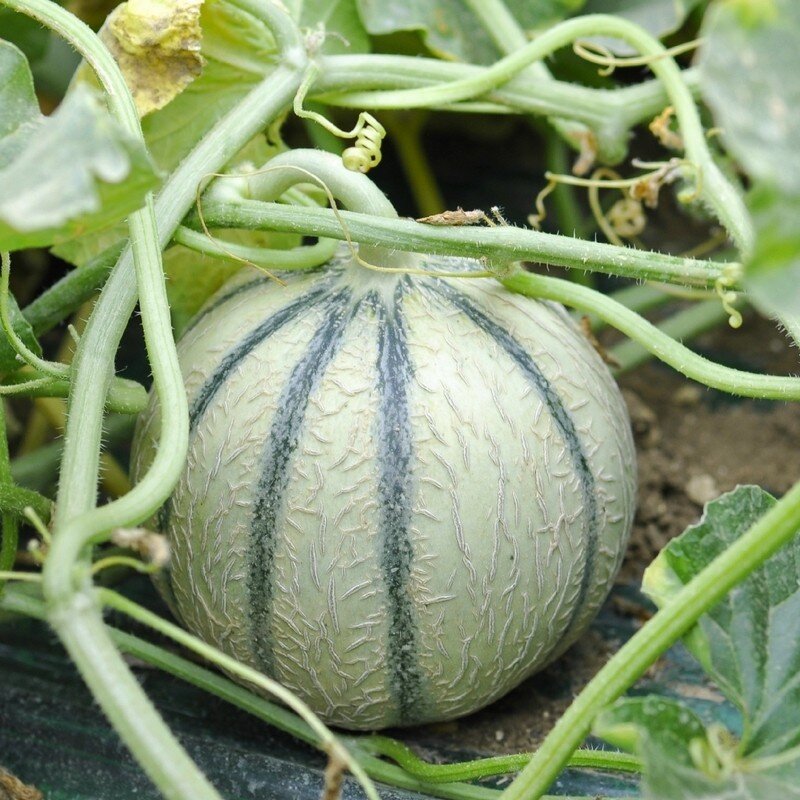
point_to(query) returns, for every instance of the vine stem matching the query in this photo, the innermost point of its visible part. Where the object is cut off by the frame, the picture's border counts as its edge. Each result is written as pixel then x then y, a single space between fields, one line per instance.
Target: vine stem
pixel 405 757
pixel 682 326
pixel 660 344
pixel 124 396
pixel 295 167
pixel 71 292
pixel 298 258
pixel 713 187
pixel 509 36
pixel 501 244
pixel 615 110
pixel 701 594
pixel 343 75
pixel 505 31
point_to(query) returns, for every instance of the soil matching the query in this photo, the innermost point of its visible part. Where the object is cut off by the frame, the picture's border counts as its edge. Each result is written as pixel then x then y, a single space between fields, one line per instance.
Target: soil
pixel 692 444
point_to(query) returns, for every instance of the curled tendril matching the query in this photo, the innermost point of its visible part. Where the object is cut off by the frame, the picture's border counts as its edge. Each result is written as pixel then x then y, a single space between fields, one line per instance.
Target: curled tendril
pixel 627 217
pixel 366 152
pixel 601 55
pixel 368 133
pixel 535 220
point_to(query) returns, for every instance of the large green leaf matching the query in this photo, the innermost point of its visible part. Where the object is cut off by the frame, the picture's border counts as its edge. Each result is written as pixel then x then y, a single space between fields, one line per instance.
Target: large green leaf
pixel 19 111
pixel 74 171
pixel 451 30
pixel 749 644
pixel 672 743
pixel 751 80
pixel 773 270
pixel 750 76
pixel 683 760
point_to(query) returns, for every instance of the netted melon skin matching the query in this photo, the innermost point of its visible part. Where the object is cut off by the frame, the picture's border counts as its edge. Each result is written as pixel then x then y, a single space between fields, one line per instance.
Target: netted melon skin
pixel 403 495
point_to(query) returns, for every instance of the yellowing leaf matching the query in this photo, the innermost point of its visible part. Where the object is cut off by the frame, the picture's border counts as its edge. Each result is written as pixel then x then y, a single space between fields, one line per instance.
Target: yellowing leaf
pixel 157 46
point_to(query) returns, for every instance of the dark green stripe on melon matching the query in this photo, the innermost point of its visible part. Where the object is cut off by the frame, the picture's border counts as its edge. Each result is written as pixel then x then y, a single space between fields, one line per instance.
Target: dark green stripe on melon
pixel 281 443
pixel 395 452
pixel 564 422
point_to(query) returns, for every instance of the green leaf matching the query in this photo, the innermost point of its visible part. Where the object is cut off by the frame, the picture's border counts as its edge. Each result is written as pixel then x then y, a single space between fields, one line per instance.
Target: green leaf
pixel 450 30
pixel 749 644
pixel 750 77
pixel 750 73
pixel 685 761
pixel 65 174
pixel 19 111
pixel 672 743
pixel 773 270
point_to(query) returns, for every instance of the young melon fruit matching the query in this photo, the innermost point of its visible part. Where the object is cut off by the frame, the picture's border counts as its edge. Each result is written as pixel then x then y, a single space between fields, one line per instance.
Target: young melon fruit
pixel 404 494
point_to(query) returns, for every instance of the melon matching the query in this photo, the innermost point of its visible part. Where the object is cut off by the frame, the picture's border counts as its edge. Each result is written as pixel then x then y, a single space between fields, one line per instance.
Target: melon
pixel 404 493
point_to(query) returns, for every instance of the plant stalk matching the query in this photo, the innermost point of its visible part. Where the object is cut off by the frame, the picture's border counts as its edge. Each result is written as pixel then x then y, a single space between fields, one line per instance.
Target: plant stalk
pixel 499 245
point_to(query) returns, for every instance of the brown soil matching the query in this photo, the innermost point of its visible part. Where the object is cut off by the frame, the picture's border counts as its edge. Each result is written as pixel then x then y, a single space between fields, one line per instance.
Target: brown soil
pixel 693 444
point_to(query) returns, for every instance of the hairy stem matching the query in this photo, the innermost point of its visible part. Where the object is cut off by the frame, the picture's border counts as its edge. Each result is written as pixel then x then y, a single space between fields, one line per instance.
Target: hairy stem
pixel 485 767
pixel 509 36
pixel 66 296
pixel 124 396
pixel 717 376
pixel 501 244
pixel 610 112
pixel 683 326
pixel 295 167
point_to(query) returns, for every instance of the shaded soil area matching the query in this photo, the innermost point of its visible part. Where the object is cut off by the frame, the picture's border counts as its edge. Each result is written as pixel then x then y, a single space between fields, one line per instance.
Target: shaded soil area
pixel 693 444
